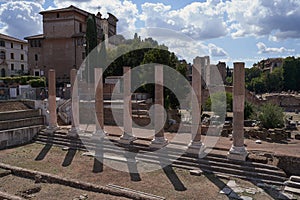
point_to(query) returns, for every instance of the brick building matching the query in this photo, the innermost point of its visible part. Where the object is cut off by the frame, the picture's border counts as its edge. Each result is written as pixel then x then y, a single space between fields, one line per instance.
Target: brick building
pixel 13 56
pixel 62 44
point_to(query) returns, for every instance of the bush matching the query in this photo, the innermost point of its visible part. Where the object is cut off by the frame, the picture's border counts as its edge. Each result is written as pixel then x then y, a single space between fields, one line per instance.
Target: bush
pixel 271 116
pixel 248 110
pixel 37 82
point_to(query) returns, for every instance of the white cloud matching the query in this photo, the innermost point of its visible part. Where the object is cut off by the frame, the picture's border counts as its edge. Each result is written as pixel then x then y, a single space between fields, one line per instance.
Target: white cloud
pixel 277 18
pixel 262 48
pixel 215 51
pixel 20 18
pixel 125 11
pixel 197 20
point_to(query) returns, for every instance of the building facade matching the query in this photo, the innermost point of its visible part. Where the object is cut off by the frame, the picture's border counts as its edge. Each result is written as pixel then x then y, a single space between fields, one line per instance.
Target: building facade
pixel 13 56
pixel 62 44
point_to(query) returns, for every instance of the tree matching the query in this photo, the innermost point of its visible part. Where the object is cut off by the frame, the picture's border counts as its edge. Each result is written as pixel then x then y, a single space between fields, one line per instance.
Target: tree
pixel 219 102
pixel 274 80
pixel 91 43
pixel 291 73
pixel 271 116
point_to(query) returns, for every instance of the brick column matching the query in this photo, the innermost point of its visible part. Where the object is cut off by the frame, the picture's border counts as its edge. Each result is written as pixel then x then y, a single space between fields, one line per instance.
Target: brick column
pixel 127 136
pixel 73 132
pixel 52 102
pixel 159 140
pixel 238 150
pixel 99 115
pixel 196 145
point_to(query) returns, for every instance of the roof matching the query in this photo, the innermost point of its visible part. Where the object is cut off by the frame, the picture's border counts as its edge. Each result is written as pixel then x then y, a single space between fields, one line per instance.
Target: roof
pixel 73 8
pixel 40 36
pixel 7 37
pixel 67 9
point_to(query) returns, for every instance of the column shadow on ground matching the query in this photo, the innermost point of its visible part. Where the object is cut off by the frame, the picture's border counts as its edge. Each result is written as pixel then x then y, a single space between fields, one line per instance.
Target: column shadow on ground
pixel 99 154
pixel 45 149
pixel 169 171
pixel 132 165
pixel 69 157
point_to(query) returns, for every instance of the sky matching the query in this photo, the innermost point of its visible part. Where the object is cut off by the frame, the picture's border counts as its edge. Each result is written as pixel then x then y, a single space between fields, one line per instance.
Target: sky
pixel 229 31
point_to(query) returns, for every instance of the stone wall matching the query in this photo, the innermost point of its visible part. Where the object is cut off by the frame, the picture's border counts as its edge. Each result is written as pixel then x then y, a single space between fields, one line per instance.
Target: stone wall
pixel 18 123
pixel 22 114
pixel 18 136
pixel 289 164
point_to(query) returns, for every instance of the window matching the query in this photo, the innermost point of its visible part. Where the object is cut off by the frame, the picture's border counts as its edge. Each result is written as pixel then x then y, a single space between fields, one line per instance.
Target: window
pixel 57 15
pixel 12 56
pixel 2 43
pixel 83 55
pixel 35 43
pixel 12 66
pixel 22 67
pixel 11 45
pixel 36 57
pixel 21 46
pixel 80 27
pixel 2 55
pixel 22 56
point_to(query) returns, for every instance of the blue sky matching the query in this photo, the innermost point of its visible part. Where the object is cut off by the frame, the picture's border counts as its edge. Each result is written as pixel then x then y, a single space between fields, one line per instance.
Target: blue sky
pixel 237 30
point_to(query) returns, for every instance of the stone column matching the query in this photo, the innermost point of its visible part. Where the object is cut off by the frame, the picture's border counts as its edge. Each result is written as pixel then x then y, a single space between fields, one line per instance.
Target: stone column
pixel 99 115
pixel 73 132
pixel 52 102
pixel 127 136
pixel 159 140
pixel 238 150
pixel 196 145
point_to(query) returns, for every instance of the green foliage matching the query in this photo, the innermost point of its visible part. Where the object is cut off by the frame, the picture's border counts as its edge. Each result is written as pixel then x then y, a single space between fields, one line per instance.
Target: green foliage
pixel 274 80
pixel 91 43
pixel 22 80
pixel 219 102
pixel 271 116
pixel 229 80
pixel 251 73
pixel 248 110
pixel 257 85
pixel 41 82
pixel 291 73
pixel 136 52
pixel 285 77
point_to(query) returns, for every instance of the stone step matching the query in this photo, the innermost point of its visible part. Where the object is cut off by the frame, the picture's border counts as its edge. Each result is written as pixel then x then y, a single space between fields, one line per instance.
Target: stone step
pixel 292 190
pixel 292 184
pixel 140 112
pixel 18 123
pixel 205 164
pixel 238 167
pixel 295 178
pixel 213 158
pixel 19 114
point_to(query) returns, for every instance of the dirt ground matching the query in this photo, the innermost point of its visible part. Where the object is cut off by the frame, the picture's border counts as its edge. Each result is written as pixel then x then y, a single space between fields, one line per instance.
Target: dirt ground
pixel 171 183
pixel 12 106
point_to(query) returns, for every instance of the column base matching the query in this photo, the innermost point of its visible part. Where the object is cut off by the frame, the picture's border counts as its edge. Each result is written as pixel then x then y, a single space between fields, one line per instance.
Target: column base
pixel 158 142
pixel 237 153
pixel 196 147
pixel 98 134
pixel 127 138
pixel 73 132
pixel 51 129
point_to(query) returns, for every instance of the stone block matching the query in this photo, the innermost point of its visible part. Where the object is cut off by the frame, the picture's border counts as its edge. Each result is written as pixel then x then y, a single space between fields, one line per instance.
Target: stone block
pixel 196 172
